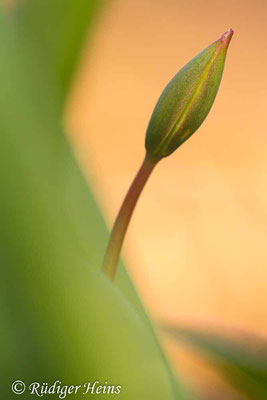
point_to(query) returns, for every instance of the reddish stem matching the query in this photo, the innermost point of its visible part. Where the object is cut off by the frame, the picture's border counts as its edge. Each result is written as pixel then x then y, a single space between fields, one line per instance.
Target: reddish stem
pixel 119 230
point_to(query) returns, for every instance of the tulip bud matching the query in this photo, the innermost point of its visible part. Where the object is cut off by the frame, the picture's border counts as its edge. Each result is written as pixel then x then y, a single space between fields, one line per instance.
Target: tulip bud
pixel 186 100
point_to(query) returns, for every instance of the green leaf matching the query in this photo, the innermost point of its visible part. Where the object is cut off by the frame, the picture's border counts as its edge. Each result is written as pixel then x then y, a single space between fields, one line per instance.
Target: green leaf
pixel 60 318
pixel 40 28
pixel 83 331
pixel 243 365
pixel 59 28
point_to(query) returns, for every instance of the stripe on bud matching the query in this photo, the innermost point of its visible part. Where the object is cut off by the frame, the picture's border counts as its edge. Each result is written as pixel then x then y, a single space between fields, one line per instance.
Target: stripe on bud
pixel 186 100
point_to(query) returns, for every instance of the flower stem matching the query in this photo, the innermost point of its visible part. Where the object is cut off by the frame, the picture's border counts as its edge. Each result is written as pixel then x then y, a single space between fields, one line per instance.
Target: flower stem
pixel 111 259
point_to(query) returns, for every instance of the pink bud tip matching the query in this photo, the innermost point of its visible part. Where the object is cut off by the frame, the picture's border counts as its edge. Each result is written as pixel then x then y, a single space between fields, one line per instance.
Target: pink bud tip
pixel 226 37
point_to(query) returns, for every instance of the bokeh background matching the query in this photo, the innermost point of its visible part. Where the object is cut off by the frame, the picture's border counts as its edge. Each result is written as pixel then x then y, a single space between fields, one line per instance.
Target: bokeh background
pixel 196 247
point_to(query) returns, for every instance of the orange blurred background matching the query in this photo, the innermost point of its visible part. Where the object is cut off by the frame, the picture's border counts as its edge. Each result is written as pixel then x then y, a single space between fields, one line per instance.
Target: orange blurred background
pixel 196 247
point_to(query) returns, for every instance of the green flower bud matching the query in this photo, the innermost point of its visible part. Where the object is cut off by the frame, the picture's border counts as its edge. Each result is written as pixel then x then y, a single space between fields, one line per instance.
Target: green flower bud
pixel 186 100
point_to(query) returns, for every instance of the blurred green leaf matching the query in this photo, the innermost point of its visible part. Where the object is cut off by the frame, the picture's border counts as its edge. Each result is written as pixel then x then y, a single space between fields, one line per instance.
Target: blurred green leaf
pixel 83 331
pixel 40 28
pixel 43 29
pixel 59 28
pixel 60 318
pixel 243 365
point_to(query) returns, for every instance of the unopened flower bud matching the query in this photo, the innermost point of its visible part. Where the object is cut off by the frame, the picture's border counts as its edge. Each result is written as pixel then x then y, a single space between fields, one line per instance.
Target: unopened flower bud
pixel 186 100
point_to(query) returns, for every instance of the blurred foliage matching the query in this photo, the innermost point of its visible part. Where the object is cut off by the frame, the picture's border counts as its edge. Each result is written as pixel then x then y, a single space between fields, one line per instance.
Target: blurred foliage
pixel 60 317
pixel 57 29
pixel 242 362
